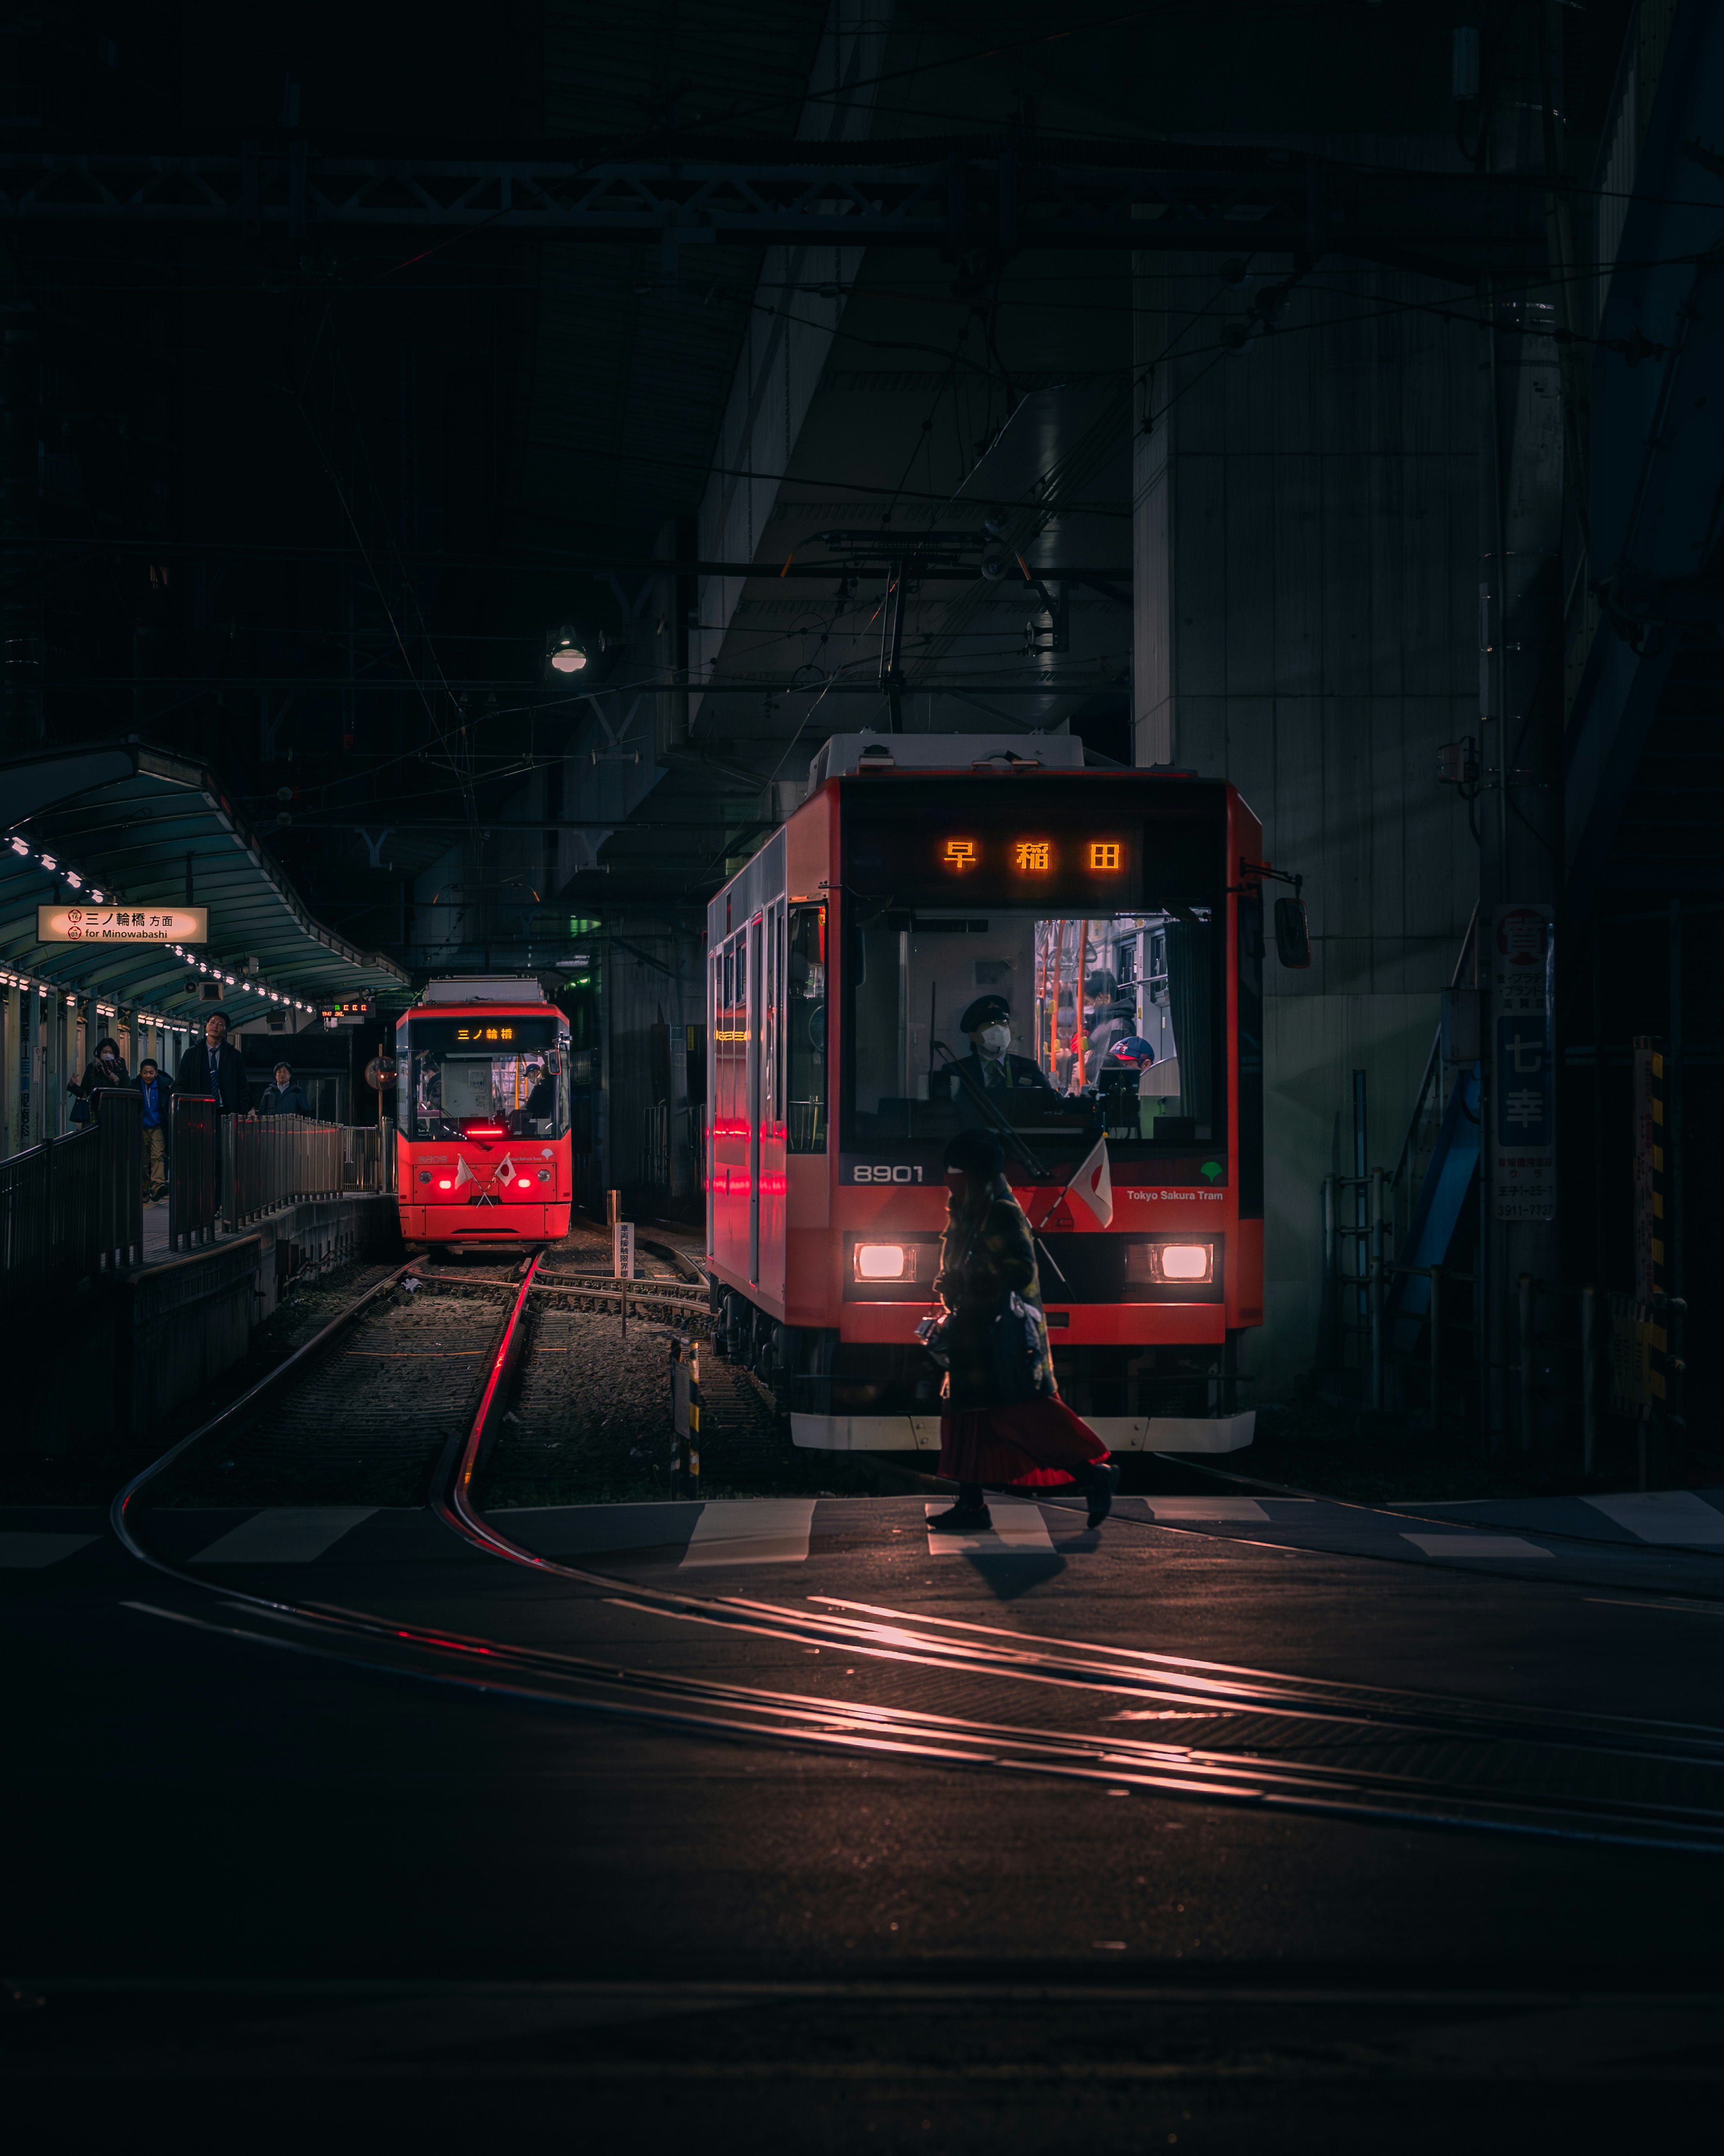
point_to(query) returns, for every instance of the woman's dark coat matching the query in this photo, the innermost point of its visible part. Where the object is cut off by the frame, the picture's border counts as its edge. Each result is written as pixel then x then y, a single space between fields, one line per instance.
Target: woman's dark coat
pixel 100 1074
pixel 988 1253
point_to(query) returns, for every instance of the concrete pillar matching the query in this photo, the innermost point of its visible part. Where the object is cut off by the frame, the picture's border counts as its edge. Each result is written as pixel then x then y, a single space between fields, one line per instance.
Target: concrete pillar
pixel 20 488
pixel 1152 519
pixel 53 1108
pixel 8 1072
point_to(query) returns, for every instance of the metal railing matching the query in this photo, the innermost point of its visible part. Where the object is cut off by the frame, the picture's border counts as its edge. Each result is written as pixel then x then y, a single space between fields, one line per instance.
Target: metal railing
pixel 117 1225
pixel 369 1159
pixel 47 1209
pixel 194 1162
pixel 268 1161
pixel 73 1206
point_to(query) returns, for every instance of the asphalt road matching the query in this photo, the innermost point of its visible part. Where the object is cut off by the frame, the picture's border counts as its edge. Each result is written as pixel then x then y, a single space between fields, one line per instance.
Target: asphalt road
pixel 253 1885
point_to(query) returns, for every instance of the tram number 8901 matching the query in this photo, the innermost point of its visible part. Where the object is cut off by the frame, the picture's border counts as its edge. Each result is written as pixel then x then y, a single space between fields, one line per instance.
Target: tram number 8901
pixel 885 1171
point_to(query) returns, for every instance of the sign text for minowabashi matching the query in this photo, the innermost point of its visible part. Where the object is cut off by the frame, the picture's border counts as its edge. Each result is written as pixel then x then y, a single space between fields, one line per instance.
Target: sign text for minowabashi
pixel 122 924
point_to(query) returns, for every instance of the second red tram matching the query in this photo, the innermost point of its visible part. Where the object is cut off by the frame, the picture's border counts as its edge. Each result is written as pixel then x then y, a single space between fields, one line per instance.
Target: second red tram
pixel 1072 957
pixel 482 1115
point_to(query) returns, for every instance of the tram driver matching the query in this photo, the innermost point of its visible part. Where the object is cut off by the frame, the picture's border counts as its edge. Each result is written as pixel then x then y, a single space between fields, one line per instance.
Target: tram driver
pixel 540 1089
pixel 989 1067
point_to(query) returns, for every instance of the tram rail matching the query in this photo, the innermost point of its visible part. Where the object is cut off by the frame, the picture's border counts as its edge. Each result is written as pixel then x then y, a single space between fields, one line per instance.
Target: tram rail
pixel 1266 1739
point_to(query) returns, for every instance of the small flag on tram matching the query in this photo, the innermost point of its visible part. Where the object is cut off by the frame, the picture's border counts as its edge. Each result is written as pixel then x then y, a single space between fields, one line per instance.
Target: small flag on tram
pixel 464 1174
pixel 1093 1183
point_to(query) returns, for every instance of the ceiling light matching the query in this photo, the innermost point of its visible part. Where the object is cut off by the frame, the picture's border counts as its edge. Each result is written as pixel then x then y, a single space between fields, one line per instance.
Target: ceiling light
pixel 567 653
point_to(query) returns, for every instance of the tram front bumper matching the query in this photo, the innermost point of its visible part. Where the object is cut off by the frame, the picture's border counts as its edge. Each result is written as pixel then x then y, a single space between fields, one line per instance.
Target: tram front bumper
pixel 480 1224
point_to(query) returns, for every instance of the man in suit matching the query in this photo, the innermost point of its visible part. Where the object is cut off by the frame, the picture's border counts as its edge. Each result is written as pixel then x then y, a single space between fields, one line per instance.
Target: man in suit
pixel 210 1065
pixel 988 1067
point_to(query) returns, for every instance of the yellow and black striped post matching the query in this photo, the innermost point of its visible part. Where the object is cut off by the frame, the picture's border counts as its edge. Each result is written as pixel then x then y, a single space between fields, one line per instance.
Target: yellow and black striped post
pixel 685 1412
pixel 694 1418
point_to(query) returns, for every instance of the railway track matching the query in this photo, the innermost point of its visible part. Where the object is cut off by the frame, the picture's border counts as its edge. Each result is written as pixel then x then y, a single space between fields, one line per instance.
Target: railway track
pixel 1172 1727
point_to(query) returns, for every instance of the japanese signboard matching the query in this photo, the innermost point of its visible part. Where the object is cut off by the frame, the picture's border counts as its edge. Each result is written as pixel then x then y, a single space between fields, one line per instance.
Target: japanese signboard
pixel 1522 959
pixel 122 924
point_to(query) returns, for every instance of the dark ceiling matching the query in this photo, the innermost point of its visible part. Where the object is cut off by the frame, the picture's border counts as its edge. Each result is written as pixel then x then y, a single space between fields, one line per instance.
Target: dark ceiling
pixel 304 510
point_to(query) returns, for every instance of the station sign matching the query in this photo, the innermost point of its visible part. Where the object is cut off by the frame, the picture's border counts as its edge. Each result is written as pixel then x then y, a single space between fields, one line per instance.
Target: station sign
pixel 122 924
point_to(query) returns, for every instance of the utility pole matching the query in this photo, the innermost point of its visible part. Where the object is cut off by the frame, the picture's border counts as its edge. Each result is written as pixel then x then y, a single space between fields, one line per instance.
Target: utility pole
pixel 1521 500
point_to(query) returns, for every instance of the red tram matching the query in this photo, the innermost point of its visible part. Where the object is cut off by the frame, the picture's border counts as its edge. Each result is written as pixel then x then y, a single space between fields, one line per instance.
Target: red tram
pixel 482 1107
pixel 1073 958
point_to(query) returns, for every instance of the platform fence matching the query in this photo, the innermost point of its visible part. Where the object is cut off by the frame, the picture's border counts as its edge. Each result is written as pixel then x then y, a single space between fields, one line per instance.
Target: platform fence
pixel 194 1160
pixel 47 1211
pixel 268 1161
pixel 73 1206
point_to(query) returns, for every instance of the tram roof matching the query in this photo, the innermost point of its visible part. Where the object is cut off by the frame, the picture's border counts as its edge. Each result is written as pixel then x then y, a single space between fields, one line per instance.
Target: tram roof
pixel 135 824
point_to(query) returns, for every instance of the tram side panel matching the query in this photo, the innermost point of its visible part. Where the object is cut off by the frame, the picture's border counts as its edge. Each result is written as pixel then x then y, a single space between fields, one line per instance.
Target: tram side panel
pixel 812 903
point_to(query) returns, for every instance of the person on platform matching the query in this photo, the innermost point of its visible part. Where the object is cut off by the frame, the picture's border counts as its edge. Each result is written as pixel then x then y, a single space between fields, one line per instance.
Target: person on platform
pixel 155 1090
pixel 989 1068
pixel 283 1095
pixel 211 1065
pixel 988 1256
pixel 105 1069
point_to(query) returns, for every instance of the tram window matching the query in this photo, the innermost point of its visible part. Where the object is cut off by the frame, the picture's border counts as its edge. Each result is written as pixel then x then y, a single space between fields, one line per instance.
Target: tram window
pixel 1110 1024
pixel 805 1029
pixel 520 1087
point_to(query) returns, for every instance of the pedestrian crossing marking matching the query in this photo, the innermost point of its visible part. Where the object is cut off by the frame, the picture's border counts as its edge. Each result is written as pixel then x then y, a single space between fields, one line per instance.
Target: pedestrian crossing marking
pixel 1205 1508
pixel 285 1534
pixel 1669 1517
pixel 752 1531
pixel 1019 1530
pixel 1475 1545
pixel 28 1550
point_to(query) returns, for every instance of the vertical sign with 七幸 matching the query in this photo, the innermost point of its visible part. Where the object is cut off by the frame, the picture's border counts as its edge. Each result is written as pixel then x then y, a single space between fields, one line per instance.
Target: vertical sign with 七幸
pixel 1523 1085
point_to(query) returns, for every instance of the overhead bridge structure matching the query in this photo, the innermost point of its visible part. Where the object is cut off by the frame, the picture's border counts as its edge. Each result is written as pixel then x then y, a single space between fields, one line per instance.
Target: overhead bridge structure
pixel 958 195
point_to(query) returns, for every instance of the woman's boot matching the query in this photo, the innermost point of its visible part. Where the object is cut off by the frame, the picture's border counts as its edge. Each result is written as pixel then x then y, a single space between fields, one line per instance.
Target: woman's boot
pixel 967 1516
pixel 1102 1478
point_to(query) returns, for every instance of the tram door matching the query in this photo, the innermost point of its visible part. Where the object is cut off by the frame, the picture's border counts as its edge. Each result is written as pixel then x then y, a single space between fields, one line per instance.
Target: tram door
pixel 756 1014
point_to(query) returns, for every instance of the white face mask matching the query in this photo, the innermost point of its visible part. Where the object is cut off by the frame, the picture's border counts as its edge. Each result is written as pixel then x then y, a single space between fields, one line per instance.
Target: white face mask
pixel 994 1038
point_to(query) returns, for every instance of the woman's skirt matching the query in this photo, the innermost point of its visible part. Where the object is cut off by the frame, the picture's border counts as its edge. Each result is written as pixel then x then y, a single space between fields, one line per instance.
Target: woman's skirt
pixel 1032 1445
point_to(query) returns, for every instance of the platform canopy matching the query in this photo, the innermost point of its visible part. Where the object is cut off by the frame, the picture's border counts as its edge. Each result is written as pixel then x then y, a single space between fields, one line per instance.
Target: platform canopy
pixel 129 826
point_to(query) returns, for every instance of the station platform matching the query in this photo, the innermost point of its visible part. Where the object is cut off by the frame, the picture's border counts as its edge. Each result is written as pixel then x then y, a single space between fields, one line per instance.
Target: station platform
pixel 141 1342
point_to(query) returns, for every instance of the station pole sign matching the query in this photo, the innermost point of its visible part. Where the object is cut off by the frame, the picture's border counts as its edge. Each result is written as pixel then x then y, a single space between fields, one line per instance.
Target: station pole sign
pixel 122 924
pixel 1523 1088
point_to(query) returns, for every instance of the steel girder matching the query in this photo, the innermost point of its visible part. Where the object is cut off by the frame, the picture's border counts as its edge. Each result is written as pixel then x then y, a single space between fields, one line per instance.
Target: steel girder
pixel 967 195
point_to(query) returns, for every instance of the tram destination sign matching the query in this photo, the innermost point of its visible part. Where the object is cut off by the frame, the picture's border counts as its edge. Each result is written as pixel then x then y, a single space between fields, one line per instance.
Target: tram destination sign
pixel 122 924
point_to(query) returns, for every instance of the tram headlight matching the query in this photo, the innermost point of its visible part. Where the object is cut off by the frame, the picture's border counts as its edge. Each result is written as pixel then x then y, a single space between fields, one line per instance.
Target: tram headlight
pixel 1170 1264
pixel 885 1262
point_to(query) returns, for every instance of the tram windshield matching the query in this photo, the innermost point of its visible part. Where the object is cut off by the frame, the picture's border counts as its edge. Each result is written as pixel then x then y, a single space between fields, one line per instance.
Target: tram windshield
pixel 1057 1028
pixel 504 1076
